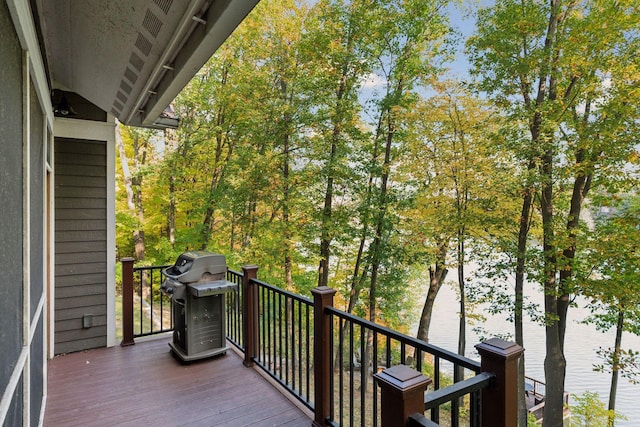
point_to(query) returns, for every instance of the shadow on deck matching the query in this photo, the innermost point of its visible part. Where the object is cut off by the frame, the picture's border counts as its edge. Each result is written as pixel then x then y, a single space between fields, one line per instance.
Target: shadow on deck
pixel 144 385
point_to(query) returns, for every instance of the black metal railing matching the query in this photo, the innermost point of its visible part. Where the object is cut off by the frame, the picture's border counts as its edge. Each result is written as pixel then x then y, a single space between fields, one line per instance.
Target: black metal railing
pixel 152 309
pixel 234 311
pixel 362 348
pixel 284 339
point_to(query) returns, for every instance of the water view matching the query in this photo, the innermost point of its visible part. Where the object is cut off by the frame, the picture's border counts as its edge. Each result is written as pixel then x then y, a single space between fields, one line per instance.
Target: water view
pixel 581 344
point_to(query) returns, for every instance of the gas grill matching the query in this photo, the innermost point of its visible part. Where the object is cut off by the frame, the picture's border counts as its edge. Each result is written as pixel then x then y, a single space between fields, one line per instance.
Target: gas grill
pixel 197 285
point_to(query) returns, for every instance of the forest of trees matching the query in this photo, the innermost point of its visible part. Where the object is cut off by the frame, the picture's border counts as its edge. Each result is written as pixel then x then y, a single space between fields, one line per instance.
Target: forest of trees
pixel 328 142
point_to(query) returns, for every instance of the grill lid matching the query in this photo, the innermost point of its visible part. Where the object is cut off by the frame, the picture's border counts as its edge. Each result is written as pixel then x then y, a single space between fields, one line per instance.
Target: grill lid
pixel 191 266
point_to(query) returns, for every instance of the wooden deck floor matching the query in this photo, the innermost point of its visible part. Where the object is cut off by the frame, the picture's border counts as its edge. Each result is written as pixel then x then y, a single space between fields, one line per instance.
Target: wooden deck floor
pixel 144 385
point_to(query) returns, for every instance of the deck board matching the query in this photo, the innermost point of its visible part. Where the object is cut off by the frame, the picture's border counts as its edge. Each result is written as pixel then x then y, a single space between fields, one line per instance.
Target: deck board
pixel 144 385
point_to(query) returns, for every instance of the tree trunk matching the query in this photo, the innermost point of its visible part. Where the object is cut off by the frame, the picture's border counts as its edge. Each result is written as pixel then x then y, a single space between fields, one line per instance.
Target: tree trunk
pixel 462 340
pixel 554 362
pixel 437 274
pixel 325 238
pixel 327 212
pixel 171 208
pixel 222 154
pixel 139 160
pixel 124 162
pixel 615 369
pixel 521 258
pixel 287 235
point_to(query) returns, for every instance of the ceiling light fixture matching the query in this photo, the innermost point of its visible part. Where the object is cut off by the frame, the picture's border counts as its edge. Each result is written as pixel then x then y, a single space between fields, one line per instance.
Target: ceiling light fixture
pixel 63 109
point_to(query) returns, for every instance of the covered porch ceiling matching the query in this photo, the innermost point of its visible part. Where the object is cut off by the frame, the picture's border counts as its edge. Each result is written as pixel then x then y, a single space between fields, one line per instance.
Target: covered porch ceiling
pixel 132 57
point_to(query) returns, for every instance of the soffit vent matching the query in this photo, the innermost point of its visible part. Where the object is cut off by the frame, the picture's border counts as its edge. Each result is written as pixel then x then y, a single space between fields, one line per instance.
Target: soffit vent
pixel 122 97
pixel 126 88
pixel 136 61
pixel 152 23
pixel 130 75
pixel 143 44
pixel 164 5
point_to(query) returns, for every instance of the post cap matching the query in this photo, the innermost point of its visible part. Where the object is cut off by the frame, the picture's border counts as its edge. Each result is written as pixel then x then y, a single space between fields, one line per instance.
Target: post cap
pixel 402 377
pixel 499 347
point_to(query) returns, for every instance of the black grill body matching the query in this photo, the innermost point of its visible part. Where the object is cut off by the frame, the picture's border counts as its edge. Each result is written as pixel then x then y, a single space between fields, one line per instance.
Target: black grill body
pixel 197 285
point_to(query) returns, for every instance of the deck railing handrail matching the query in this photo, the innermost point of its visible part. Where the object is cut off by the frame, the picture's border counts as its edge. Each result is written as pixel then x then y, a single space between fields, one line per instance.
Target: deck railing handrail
pixel 424 346
pixel 458 390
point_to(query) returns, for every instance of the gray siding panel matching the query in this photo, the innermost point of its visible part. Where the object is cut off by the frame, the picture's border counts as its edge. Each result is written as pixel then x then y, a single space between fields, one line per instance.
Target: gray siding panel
pixel 81 236
pixel 76 313
pixel 79 291
pixel 81 214
pixel 89 256
pixel 81 268
pixel 75 147
pixel 73 346
pixel 72 324
pixel 81 171
pixel 11 107
pixel 71 247
pixel 81 247
pixel 74 225
pixel 72 203
pixel 87 192
pixel 86 279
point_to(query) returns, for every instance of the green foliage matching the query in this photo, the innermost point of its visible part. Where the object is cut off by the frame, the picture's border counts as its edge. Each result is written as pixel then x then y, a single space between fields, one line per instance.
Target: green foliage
pixel 590 411
pixel 347 99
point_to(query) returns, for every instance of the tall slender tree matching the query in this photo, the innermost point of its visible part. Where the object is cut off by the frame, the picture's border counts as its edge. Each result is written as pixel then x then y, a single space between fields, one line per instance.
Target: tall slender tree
pixel 548 64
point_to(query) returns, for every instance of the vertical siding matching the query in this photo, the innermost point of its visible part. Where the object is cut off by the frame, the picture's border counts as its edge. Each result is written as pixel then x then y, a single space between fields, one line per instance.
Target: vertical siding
pixel 80 244
pixel 11 196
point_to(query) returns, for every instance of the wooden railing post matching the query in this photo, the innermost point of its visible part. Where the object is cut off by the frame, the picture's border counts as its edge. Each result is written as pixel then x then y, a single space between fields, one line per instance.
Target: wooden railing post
pixel 249 313
pixel 322 353
pixel 127 302
pixel 500 400
pixel 401 394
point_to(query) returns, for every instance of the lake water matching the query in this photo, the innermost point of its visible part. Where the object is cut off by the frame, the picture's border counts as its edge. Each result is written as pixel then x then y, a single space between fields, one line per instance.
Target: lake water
pixel 582 341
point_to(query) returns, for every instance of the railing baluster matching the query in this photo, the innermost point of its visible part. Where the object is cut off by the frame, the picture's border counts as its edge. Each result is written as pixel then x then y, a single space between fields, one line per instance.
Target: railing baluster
pixel 308 340
pixel 374 395
pixel 435 412
pixel 388 355
pixel 293 344
pixel 141 275
pixel 341 370
pixel 262 327
pixel 364 367
pixel 332 410
pixel 151 316
pixel 455 403
pixel 300 354
pixel 127 302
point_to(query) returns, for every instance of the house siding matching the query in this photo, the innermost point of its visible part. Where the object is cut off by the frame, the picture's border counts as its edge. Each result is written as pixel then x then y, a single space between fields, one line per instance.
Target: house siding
pixel 11 211
pixel 81 244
